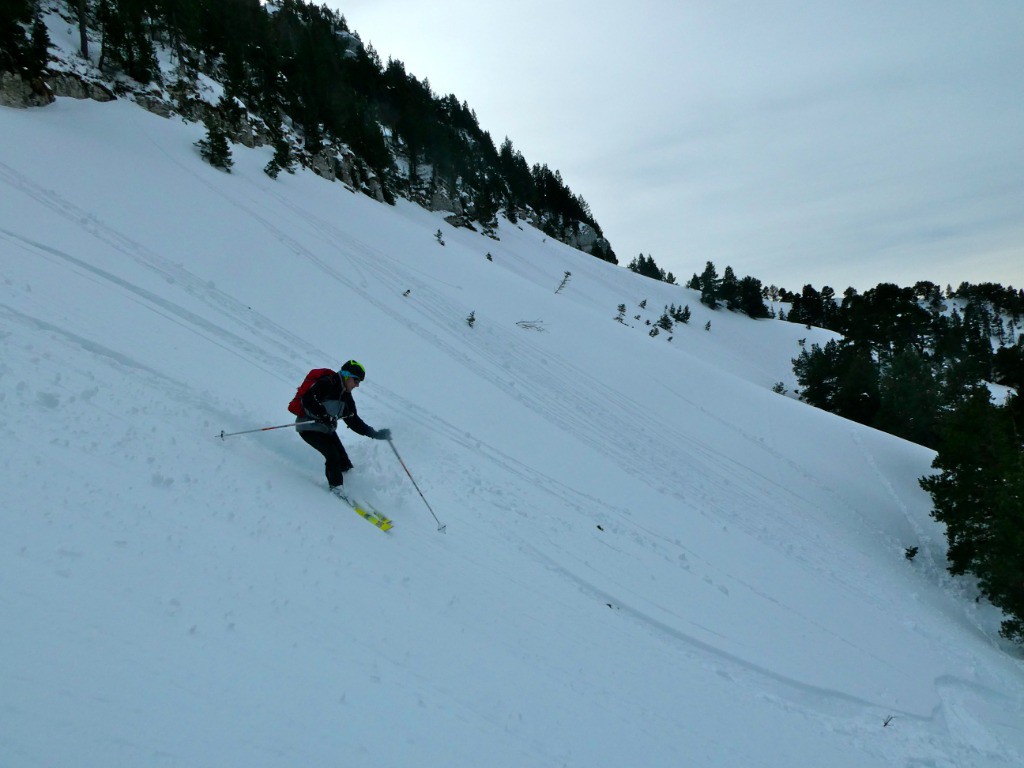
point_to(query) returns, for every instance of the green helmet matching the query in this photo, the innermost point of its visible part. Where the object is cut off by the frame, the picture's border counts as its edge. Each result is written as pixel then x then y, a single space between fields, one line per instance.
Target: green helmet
pixel 353 369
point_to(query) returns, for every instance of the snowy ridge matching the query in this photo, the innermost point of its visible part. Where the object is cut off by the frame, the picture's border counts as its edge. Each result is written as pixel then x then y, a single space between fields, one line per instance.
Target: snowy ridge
pixel 652 559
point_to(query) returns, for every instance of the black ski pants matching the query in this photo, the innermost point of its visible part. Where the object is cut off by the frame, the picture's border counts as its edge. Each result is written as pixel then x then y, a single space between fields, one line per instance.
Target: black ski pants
pixel 336 459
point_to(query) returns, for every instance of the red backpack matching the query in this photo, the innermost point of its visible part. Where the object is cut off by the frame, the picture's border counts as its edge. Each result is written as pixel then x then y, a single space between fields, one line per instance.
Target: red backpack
pixel 295 406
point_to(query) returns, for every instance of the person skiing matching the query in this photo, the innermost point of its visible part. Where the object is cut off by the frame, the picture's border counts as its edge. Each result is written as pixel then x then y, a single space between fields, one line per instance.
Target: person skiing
pixel 328 399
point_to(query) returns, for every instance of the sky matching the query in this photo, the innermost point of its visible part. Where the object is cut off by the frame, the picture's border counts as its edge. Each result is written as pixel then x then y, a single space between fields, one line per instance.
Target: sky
pixel 835 143
pixel 647 553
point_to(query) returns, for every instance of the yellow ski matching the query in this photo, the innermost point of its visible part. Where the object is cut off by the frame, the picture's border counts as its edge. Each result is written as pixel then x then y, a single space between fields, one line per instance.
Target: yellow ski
pixel 365 511
pixel 374 517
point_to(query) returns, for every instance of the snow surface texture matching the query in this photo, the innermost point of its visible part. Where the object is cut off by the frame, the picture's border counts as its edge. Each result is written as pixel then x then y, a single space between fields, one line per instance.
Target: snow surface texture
pixel 651 558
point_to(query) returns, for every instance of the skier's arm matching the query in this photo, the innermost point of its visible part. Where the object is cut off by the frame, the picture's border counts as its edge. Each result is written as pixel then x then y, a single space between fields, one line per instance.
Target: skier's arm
pixel 351 417
pixel 358 426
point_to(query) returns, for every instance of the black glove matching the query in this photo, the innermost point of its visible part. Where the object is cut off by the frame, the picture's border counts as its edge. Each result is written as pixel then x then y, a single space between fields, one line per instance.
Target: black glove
pixel 329 421
pixel 381 434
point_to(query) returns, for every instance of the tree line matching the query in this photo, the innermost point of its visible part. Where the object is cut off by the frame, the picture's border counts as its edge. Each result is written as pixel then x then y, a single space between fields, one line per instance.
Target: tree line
pixel 298 67
pixel 917 362
pixel 907 356
pixel 745 295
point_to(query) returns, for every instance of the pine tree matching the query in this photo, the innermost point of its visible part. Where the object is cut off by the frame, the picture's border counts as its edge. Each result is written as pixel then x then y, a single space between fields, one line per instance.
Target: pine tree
pixel 908 398
pixel 14 44
pixel 751 298
pixel 82 15
pixel 1008 366
pixel 840 377
pixel 729 289
pixel 283 159
pixel 815 371
pixel 215 148
pixel 38 53
pixel 126 45
pixel 978 494
pixel 709 284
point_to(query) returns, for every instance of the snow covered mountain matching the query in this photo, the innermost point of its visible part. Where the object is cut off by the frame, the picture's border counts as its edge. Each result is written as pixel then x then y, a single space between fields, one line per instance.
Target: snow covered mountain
pixel 651 558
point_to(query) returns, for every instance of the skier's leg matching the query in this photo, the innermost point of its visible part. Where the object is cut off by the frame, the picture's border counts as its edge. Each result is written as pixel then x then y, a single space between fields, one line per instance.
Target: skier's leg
pixel 336 460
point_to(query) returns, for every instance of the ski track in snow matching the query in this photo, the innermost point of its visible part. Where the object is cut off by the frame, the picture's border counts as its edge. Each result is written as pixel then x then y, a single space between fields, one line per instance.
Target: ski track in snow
pixel 213 299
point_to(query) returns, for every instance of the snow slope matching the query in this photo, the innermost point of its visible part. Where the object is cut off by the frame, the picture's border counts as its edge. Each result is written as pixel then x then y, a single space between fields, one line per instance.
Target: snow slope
pixel 651 559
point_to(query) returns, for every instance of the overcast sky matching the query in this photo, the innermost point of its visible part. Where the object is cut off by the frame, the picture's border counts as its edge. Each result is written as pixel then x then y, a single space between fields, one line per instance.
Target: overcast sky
pixel 835 143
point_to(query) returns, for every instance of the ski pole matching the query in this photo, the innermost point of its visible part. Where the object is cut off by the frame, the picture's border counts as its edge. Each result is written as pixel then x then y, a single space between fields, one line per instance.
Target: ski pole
pixel 440 527
pixel 224 434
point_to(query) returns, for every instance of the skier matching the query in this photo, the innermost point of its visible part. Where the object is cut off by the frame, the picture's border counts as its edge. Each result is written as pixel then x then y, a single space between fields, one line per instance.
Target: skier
pixel 328 399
